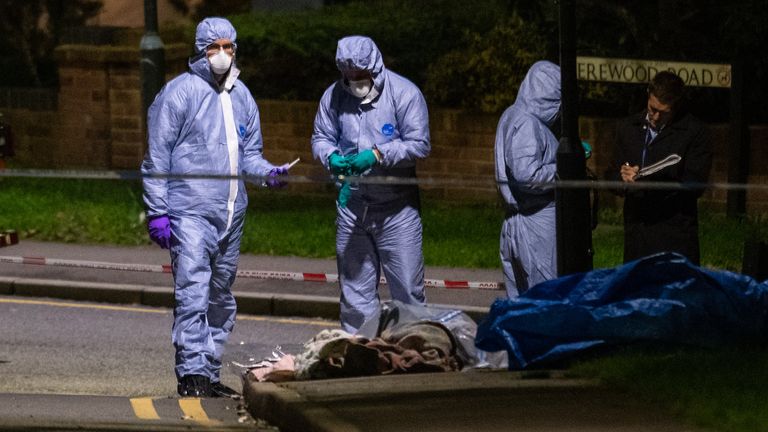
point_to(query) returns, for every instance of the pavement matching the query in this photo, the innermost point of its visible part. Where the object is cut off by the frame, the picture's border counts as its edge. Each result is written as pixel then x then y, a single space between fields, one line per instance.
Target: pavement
pixel 483 400
pixel 254 296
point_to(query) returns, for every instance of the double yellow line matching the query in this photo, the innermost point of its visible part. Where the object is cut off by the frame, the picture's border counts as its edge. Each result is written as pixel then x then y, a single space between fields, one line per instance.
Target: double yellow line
pixel 144 408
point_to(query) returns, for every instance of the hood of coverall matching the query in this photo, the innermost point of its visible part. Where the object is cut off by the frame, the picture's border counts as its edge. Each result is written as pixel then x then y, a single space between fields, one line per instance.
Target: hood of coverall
pixel 360 53
pixel 539 94
pixel 208 31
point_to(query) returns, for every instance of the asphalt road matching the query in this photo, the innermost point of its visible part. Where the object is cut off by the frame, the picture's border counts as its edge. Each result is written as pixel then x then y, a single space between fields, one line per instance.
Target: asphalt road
pixel 68 365
pixel 89 365
pixel 79 365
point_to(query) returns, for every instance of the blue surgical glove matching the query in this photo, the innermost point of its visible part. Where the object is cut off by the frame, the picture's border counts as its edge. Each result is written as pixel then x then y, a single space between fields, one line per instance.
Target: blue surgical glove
pixel 587 149
pixel 338 164
pixel 344 193
pixel 362 162
pixel 160 231
pixel 273 180
pixel 278 171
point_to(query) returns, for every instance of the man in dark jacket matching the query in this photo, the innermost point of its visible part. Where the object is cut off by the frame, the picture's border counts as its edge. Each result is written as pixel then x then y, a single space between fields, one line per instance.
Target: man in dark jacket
pixel 661 219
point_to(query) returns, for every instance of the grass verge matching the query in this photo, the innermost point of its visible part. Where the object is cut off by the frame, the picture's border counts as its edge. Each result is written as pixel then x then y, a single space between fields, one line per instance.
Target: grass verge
pixel 288 223
pixel 724 390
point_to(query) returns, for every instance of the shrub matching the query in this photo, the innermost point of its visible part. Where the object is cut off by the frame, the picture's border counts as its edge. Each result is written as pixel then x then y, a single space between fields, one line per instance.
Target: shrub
pixel 289 55
pixel 486 74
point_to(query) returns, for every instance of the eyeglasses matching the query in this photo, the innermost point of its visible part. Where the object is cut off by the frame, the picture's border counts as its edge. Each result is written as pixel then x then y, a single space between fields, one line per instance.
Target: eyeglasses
pixel 356 75
pixel 214 48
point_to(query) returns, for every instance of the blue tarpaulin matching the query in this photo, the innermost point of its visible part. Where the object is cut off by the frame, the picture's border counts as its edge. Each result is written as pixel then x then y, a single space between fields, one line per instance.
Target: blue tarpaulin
pixel 662 298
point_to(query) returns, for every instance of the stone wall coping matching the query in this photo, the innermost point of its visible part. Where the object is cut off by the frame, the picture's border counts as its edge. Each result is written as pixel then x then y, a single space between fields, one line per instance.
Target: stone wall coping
pixel 91 54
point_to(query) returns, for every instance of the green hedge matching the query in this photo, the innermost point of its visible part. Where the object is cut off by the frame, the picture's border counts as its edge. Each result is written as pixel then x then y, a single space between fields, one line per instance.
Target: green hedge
pixel 469 54
pixel 486 72
pixel 472 55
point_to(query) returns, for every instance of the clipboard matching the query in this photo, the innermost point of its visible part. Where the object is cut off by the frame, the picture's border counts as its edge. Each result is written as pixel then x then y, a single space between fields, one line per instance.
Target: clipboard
pixel 668 161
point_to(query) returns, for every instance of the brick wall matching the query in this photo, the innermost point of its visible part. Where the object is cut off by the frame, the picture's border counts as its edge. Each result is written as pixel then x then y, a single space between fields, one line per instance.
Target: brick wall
pixel 462 147
pixel 462 151
pixel 100 113
pixel 95 122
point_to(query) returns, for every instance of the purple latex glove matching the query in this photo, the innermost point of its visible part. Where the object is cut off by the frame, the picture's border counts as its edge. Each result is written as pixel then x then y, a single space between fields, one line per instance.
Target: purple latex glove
pixel 273 181
pixel 160 231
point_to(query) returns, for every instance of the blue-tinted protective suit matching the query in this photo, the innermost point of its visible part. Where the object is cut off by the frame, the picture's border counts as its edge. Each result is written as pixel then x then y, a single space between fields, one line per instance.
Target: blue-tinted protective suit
pixel 525 153
pixel 380 227
pixel 198 127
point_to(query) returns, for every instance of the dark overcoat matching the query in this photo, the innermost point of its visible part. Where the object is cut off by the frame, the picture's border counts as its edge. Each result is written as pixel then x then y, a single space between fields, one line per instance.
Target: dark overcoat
pixel 662 220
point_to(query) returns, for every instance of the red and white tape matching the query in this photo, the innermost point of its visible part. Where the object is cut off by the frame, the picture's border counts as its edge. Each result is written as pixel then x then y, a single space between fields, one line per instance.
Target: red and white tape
pixel 251 274
pixel 146 268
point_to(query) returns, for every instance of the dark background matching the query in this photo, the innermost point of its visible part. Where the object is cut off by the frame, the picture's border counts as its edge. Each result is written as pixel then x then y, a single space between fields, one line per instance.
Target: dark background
pixel 469 55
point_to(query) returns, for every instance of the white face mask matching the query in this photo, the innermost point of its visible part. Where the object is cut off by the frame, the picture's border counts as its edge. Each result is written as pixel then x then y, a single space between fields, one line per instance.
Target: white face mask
pixel 220 62
pixel 360 88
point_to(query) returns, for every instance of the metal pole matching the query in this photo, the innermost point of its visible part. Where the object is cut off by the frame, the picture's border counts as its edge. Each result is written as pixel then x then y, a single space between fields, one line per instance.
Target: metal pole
pixel 574 229
pixel 152 57
pixel 738 154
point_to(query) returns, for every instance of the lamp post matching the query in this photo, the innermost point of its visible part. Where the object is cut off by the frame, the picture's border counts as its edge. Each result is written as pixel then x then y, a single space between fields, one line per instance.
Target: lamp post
pixel 152 57
pixel 574 229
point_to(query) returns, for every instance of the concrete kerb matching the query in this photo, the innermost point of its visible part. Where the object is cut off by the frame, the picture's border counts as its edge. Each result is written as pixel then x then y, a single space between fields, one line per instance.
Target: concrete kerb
pixel 82 291
pixel 6 285
pixel 255 303
pixel 307 405
pixel 249 303
pixel 155 296
pixel 306 305
pixel 288 410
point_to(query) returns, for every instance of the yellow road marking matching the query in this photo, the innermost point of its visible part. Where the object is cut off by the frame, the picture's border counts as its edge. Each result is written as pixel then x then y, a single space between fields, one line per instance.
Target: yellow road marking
pixel 165 311
pixel 82 306
pixel 193 410
pixel 144 409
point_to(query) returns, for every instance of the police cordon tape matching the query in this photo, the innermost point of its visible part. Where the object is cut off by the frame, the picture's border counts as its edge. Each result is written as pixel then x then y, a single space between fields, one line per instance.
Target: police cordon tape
pixel 477 181
pixel 250 274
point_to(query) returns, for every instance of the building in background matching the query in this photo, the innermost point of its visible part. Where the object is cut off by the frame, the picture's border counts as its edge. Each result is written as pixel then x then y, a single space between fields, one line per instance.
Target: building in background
pixel 130 13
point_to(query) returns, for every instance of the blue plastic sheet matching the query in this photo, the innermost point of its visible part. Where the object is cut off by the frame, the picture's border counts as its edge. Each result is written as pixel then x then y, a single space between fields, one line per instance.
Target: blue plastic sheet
pixel 662 298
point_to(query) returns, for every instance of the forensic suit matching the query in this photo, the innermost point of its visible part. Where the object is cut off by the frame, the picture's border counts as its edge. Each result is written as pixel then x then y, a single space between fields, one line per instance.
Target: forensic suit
pixel 379 226
pixel 525 152
pixel 198 126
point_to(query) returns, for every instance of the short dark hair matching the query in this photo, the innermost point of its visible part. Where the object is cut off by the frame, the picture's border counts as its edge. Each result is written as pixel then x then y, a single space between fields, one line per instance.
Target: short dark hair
pixel 668 88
